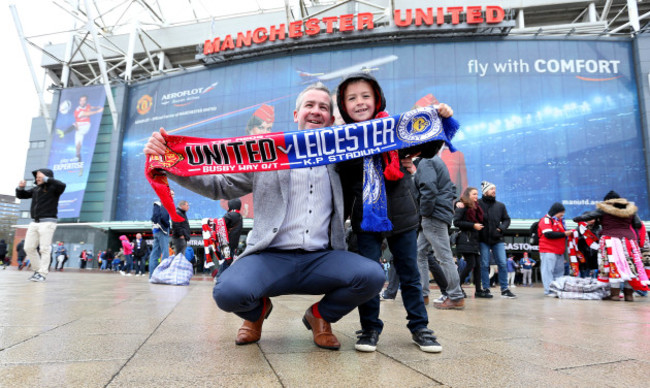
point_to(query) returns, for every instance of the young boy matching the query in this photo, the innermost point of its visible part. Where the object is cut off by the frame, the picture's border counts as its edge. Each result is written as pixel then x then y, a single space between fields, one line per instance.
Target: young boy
pixel 360 98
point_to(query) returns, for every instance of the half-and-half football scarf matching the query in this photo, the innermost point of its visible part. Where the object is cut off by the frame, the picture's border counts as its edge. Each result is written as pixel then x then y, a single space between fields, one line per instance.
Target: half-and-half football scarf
pixel 191 156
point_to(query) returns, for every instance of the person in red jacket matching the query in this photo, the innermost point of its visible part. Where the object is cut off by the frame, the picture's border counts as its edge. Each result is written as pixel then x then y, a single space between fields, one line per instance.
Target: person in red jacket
pixel 552 244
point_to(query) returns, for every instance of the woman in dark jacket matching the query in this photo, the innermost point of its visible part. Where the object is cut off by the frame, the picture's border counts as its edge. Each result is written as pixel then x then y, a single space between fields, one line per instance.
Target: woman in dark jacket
pixel 469 219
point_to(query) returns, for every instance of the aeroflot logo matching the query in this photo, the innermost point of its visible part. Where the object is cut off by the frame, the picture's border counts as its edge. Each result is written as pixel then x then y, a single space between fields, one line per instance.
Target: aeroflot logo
pixel 187 96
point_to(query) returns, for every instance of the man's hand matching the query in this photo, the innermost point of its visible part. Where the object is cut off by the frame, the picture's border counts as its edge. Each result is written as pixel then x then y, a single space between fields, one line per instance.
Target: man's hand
pixel 478 226
pixel 22 184
pixel 445 111
pixel 568 233
pixel 156 144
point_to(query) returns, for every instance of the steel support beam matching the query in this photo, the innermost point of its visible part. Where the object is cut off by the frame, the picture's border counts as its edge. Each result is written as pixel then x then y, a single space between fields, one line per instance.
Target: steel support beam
pixel 633 15
pixel 102 65
pixel 39 90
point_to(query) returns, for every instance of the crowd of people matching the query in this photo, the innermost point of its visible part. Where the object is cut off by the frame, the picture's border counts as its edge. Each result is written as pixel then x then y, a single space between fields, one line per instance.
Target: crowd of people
pixel 298 242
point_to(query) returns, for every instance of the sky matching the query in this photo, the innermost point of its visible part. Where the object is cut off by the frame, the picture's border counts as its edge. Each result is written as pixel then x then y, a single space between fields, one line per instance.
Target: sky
pixel 18 104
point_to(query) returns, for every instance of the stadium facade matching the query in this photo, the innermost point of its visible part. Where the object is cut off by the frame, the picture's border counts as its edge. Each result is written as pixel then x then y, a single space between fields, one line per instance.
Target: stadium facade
pixel 552 97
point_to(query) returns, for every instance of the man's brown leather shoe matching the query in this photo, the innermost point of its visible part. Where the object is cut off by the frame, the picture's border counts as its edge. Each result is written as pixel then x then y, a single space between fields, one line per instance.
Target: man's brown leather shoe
pixel 251 332
pixel 449 304
pixel 323 337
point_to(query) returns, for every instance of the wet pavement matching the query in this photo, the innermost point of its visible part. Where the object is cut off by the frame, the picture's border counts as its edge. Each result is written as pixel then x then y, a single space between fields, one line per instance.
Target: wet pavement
pixel 92 329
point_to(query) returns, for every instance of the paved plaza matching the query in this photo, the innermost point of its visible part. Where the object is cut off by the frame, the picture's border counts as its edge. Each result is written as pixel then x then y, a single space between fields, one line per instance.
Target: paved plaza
pixel 93 329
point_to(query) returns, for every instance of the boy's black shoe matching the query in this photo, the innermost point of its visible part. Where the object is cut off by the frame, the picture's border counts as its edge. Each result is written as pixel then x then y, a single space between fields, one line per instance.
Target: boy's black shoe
pixel 507 294
pixel 367 340
pixel 427 342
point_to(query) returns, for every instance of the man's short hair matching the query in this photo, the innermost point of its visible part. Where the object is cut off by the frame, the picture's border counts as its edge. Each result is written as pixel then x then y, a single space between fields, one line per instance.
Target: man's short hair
pixel 181 203
pixel 316 86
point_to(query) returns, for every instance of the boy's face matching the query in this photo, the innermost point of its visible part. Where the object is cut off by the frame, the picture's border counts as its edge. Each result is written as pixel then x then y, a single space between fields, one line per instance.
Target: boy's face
pixel 359 101
pixel 314 111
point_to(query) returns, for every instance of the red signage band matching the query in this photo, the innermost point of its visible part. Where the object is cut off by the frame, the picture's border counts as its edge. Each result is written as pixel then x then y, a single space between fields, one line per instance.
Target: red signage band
pixel 491 14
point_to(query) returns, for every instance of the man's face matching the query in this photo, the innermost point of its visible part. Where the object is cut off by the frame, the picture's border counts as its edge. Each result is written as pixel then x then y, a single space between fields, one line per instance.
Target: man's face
pixel 39 178
pixel 83 101
pixel 492 192
pixel 314 111
pixel 138 236
pixel 559 215
pixel 265 127
pixel 185 206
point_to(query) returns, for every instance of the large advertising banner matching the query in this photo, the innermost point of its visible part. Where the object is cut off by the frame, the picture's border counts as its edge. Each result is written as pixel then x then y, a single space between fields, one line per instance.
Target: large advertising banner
pixel 73 143
pixel 545 121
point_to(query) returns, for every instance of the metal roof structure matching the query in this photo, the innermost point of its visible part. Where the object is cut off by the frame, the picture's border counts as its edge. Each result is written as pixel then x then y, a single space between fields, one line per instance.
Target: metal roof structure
pixel 123 41
pixel 113 42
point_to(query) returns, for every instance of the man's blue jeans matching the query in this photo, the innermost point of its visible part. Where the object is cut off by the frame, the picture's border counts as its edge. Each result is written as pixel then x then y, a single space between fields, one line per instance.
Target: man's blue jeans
pixel 403 246
pixel 160 247
pixel 499 252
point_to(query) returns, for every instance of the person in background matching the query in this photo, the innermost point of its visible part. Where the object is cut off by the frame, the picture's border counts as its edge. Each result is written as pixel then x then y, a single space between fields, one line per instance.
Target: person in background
pixel 512 271
pixel 181 230
pixel 3 254
pixel 127 251
pixel 44 209
pixel 139 254
pixel 118 261
pixel 468 218
pixel 20 252
pixel 160 228
pixel 620 259
pixel 83 259
pixel 496 221
pixel 552 245
pixel 61 256
pixel 527 265
pixel 109 257
pixel 436 199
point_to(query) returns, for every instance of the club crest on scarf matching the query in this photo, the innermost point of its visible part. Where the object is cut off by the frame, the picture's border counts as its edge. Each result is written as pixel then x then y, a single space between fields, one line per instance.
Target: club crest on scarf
pixel 419 125
pixel 170 159
pixel 372 182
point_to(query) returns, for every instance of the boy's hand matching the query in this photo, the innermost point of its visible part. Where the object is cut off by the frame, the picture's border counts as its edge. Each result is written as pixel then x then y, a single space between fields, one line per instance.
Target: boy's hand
pixel 156 144
pixel 407 163
pixel 445 110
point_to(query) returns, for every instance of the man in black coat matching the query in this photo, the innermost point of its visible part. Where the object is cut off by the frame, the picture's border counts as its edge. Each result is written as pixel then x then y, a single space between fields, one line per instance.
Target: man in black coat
pixel 496 220
pixel 44 209
pixel 181 230
pixel 139 254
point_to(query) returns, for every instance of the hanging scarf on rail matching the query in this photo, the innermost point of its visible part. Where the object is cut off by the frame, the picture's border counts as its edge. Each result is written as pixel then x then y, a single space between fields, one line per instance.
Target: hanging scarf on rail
pixel 191 156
